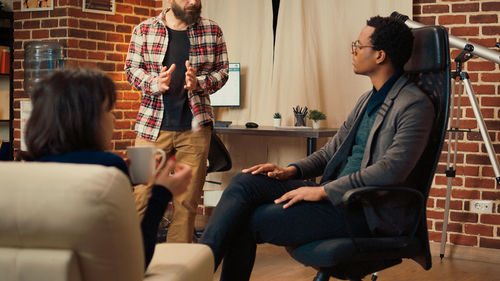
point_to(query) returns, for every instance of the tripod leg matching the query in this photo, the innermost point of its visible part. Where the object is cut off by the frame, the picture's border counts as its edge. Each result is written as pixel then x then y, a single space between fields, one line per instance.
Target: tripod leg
pixel 451 169
pixel 482 126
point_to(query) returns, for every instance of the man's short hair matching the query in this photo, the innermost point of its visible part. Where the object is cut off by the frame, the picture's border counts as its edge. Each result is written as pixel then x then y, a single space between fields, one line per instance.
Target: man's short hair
pixel 392 36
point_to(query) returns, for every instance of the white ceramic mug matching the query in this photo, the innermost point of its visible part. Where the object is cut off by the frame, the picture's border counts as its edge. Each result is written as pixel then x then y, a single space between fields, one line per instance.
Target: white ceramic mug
pixel 142 162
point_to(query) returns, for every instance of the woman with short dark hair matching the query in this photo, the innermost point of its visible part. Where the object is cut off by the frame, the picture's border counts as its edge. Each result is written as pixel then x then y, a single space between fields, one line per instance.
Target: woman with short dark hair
pixel 71 122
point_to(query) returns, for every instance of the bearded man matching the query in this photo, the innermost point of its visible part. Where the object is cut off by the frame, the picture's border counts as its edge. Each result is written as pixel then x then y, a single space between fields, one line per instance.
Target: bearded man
pixel 177 59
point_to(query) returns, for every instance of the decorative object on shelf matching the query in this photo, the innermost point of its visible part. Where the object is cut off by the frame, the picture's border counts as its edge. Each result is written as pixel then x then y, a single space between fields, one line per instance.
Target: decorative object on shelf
pixel 37 5
pixel 300 116
pixel 99 6
pixel 277 119
pixel 316 116
pixel 4 60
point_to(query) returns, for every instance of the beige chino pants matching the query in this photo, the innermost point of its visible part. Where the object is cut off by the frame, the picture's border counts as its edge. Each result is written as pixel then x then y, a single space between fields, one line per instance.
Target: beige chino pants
pixel 191 149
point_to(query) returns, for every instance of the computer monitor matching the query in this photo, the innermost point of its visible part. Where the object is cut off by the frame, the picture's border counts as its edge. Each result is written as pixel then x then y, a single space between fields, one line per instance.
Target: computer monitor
pixel 229 94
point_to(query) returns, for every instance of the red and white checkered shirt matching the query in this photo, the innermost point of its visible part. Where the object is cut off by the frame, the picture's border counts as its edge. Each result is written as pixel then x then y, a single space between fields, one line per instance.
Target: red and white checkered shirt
pixel 148 46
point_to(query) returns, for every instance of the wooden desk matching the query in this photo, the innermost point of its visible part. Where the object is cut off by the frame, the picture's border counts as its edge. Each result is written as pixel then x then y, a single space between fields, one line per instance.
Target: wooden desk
pixel 312 135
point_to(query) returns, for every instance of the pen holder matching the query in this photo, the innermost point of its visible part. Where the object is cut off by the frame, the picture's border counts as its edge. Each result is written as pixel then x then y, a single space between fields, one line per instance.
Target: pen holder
pixel 300 120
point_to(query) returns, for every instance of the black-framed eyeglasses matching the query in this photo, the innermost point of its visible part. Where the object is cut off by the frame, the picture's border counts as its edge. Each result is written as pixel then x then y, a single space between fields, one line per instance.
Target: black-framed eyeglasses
pixel 356 46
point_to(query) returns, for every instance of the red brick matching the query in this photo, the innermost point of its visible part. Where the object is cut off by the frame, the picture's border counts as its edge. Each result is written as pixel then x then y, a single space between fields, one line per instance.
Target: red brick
pixel 478 159
pixel 141 11
pixel 490 219
pixel 429 20
pixel 33 24
pixel 442 180
pixel 491 30
pixel 487 42
pixel 435 214
pixel 435 236
pixel 86 24
pixel 96 55
pixel 129 135
pixel 490 195
pixel 451 227
pixel 489 243
pixel 96 16
pixel 40 34
pixel 132 20
pixel 18 34
pixel 58 12
pixel 479 183
pixel 454 204
pixel 465 31
pixel 123 48
pixel 124 28
pixel 463 240
pixel 463 216
pixel 39 14
pixel 433 9
pixel 452 19
pixel 483 19
pixel 96 35
pixel 110 37
pixel 77 33
pixel 465 193
pixel 122 144
pixel 114 18
pixel 58 33
pixel 472 7
pixel 490 77
pixel 105 26
pixel 486 112
pixel 131 114
pixel 77 54
pixel 490 101
pixel 72 23
pixel 87 45
pixel 123 9
pixel 490 6
pixel 105 47
pixel 49 23
pixel 417 10
pixel 106 66
pixel 480 66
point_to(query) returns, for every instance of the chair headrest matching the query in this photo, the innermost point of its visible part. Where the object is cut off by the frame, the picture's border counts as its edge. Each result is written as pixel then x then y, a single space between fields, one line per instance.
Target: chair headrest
pixel 429 47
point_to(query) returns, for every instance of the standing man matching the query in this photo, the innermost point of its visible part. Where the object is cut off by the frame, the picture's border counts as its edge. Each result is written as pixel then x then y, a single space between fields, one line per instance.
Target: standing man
pixel 379 143
pixel 177 60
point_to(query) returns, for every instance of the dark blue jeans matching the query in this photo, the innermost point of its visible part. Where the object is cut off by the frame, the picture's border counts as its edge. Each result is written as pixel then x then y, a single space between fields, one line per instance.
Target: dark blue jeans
pixel 246 215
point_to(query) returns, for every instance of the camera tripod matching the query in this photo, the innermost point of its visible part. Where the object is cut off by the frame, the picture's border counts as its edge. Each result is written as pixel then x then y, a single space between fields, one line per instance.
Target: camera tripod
pixel 463 77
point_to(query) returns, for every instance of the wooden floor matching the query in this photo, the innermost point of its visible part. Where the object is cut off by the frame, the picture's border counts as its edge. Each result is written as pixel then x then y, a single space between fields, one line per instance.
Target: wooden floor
pixel 274 264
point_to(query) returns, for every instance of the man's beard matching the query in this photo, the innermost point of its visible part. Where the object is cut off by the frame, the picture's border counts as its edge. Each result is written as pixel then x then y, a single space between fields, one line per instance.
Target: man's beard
pixel 189 17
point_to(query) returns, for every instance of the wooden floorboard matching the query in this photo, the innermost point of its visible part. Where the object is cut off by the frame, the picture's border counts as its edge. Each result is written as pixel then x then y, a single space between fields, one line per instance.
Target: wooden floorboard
pixel 273 264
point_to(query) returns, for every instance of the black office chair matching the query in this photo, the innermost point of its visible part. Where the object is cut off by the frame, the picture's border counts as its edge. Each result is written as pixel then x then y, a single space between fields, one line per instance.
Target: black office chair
pixel 353 258
pixel 219 159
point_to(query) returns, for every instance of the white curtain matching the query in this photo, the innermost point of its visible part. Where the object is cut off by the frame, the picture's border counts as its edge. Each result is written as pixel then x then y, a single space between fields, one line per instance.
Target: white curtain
pixel 311 66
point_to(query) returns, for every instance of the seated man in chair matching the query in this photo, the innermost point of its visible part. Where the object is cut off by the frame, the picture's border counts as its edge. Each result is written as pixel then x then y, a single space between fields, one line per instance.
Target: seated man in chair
pixel 378 144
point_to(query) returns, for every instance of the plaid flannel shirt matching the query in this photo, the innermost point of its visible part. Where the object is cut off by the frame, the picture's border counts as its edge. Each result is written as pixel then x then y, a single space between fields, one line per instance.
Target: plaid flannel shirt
pixel 148 46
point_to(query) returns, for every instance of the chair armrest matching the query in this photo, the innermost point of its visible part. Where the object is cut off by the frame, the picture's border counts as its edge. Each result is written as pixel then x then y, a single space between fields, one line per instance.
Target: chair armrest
pixel 363 193
pixel 181 262
pixel 381 204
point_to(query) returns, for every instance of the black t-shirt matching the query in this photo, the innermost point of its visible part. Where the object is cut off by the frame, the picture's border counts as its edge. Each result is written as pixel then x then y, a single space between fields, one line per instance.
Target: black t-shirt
pixel 177 115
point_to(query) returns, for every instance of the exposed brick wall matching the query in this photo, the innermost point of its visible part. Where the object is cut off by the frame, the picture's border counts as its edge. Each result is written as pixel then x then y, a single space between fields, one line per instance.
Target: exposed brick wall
pixel 478 22
pixel 89 39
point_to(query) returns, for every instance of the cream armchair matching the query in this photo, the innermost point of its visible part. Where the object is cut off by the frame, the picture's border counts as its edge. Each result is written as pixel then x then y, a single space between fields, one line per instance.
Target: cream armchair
pixel 78 222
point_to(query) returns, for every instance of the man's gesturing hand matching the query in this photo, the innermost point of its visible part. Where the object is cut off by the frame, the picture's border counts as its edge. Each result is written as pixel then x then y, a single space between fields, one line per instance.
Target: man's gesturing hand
pixel 191 81
pixel 305 193
pixel 164 78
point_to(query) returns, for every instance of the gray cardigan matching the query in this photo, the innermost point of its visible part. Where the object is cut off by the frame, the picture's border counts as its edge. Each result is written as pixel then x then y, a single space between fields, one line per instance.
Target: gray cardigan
pixel 396 141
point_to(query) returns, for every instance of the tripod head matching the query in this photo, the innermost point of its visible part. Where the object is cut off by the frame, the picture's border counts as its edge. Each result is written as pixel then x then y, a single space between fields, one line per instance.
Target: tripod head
pixel 464 56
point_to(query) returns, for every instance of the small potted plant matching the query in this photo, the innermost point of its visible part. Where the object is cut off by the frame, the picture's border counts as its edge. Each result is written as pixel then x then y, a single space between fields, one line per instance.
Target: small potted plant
pixel 277 119
pixel 316 116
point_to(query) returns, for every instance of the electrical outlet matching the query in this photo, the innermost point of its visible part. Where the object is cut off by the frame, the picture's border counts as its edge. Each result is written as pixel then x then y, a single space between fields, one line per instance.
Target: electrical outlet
pixel 481 206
